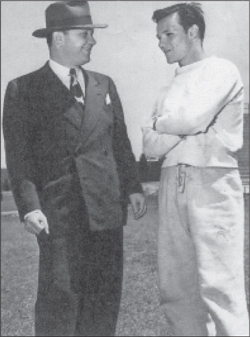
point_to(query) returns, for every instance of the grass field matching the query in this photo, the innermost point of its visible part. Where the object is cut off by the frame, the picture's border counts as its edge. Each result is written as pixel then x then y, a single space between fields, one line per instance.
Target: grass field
pixel 140 314
pixel 7 203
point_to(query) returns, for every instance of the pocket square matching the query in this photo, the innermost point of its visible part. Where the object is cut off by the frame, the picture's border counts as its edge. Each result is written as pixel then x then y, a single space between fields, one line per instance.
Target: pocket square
pixel 107 99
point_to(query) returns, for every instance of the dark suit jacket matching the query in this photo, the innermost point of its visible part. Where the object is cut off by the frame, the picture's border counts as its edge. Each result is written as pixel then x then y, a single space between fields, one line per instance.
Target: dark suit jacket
pixel 49 140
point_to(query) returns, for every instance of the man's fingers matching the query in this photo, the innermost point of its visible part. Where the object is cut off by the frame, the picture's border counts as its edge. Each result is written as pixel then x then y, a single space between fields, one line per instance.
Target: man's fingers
pixel 36 222
pixel 33 228
pixel 141 211
pixel 138 204
pixel 46 229
pixel 134 207
pixel 44 222
pixel 141 208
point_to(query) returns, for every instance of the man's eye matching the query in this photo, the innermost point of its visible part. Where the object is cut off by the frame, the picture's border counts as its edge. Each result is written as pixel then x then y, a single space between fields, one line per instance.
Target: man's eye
pixel 169 34
pixel 83 34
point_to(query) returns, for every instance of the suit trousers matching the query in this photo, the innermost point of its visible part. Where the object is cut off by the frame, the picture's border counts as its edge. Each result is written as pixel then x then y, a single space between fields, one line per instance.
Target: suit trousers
pixel 201 251
pixel 80 273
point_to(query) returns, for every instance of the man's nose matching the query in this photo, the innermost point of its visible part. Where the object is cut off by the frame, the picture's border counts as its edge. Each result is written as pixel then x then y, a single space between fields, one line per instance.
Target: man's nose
pixel 162 43
pixel 91 40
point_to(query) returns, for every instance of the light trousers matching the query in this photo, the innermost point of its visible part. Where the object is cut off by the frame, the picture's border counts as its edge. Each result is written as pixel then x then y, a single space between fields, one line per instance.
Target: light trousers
pixel 201 251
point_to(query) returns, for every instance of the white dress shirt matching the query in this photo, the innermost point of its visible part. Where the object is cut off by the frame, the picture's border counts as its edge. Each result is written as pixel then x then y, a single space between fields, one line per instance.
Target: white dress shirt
pixel 62 73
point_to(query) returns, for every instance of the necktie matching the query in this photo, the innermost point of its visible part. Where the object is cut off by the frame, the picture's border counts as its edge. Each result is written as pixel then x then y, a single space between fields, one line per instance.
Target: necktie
pixel 75 87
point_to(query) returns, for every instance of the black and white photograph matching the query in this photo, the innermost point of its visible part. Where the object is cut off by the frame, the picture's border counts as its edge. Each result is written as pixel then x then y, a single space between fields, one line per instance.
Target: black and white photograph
pixel 124 168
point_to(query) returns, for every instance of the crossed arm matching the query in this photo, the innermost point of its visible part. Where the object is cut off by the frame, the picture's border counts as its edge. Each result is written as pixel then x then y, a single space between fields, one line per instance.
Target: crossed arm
pixel 192 113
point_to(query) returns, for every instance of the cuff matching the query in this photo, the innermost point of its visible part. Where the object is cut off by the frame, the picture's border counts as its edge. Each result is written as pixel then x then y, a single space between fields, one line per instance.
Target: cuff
pixel 35 211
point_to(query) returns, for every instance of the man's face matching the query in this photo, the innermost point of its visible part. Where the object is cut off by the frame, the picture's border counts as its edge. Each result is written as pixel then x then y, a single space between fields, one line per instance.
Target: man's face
pixel 77 45
pixel 173 40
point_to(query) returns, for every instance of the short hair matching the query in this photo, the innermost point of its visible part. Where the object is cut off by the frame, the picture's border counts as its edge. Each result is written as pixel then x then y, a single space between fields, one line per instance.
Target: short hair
pixel 49 39
pixel 189 14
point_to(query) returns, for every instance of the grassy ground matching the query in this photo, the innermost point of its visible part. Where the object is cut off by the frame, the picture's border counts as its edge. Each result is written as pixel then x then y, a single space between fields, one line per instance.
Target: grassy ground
pixel 7 203
pixel 140 314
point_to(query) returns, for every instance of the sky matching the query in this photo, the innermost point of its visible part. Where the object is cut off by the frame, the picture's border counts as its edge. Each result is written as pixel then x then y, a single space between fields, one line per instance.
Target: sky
pixel 127 50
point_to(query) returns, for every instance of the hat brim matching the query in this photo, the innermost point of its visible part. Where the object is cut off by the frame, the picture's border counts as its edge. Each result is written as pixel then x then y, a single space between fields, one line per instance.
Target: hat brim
pixel 44 32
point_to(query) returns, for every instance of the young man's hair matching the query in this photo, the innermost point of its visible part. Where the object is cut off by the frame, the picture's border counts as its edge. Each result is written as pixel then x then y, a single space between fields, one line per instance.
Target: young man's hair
pixel 189 14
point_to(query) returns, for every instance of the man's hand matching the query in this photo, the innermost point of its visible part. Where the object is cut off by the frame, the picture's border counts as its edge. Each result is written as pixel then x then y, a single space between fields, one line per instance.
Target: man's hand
pixel 138 204
pixel 35 222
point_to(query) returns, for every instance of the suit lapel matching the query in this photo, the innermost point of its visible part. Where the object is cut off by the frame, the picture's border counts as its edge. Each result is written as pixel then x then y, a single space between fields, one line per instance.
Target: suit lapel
pixel 94 102
pixel 75 115
pixel 56 92
pixel 60 99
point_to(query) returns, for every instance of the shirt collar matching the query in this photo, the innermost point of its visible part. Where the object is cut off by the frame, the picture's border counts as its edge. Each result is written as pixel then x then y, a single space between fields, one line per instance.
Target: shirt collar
pixel 181 70
pixel 59 70
pixel 63 73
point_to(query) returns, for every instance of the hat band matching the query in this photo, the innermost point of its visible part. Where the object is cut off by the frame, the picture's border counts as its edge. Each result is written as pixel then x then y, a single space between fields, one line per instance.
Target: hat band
pixel 68 22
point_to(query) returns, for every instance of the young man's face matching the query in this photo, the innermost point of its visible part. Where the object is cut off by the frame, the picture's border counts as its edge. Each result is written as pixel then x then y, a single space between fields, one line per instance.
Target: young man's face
pixel 77 45
pixel 173 40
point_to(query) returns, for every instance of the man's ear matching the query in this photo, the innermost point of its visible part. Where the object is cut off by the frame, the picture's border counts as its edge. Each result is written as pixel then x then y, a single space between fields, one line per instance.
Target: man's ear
pixel 59 39
pixel 193 32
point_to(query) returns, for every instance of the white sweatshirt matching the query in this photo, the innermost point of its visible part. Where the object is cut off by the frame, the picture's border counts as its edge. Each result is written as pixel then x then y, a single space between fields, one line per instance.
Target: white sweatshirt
pixel 204 105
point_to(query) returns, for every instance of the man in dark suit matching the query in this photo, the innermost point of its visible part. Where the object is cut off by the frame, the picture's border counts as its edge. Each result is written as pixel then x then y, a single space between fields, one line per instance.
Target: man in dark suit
pixel 72 172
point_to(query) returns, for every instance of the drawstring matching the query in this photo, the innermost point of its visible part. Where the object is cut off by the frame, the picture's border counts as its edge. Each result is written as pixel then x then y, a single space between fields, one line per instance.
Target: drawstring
pixel 181 177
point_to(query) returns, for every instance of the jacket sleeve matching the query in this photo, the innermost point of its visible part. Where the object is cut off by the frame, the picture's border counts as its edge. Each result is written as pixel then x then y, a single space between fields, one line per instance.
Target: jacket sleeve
pixel 126 163
pixel 17 137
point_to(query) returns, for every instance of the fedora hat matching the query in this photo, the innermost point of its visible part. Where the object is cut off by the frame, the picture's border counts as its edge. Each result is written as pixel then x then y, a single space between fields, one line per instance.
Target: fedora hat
pixel 67 15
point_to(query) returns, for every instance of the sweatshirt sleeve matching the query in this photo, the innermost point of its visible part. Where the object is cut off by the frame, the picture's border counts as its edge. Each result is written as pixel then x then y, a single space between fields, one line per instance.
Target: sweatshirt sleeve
pixel 193 106
pixel 157 144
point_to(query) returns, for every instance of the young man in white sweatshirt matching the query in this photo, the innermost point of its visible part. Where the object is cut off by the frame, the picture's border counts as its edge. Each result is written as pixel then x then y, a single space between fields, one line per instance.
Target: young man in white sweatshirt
pixel 197 125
